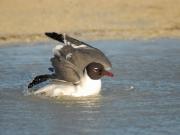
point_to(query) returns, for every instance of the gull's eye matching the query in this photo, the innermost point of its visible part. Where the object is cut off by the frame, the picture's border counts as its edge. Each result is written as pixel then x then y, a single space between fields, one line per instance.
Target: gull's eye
pixel 96 69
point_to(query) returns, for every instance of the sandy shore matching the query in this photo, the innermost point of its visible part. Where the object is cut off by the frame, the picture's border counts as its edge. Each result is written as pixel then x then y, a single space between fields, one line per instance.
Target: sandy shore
pixel 22 20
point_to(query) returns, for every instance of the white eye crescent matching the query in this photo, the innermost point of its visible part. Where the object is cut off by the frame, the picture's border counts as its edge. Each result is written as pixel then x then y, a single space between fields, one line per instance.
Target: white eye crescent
pixel 96 69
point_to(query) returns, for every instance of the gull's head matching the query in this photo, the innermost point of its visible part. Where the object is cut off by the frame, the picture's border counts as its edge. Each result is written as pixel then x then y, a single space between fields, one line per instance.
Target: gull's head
pixel 96 70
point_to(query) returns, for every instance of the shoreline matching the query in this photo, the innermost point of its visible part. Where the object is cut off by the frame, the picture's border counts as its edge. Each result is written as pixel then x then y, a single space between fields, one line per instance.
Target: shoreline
pixel 27 21
pixel 123 34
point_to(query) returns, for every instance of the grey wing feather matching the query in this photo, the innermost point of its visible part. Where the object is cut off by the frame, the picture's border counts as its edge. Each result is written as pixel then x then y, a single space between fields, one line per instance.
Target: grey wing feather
pixel 65 70
pixel 82 57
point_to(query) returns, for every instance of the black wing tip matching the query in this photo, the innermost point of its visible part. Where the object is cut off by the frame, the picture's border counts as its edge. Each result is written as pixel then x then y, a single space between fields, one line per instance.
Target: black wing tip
pixel 51 33
pixel 61 37
pixel 30 85
pixel 39 79
pixel 56 36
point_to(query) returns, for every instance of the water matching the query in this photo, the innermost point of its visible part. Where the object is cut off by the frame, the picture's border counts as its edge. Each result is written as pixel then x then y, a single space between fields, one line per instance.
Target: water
pixel 142 99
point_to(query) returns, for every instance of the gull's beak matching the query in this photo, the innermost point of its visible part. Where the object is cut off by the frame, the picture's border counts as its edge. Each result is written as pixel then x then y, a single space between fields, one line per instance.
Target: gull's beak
pixel 107 73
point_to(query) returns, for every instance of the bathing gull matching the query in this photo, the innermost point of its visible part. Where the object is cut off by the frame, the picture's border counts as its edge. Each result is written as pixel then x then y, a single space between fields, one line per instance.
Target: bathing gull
pixel 77 69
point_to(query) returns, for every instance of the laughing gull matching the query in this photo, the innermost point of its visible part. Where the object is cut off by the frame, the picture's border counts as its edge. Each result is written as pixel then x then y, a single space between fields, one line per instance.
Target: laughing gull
pixel 89 84
pixel 77 69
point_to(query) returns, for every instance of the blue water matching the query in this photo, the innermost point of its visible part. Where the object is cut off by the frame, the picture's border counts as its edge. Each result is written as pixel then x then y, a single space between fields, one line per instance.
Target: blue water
pixel 142 99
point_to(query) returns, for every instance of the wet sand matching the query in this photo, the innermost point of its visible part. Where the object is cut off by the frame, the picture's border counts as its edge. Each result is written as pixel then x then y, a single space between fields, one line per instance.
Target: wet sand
pixel 135 19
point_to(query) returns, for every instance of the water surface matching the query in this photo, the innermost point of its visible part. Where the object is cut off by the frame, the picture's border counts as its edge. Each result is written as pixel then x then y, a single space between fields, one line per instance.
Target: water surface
pixel 143 98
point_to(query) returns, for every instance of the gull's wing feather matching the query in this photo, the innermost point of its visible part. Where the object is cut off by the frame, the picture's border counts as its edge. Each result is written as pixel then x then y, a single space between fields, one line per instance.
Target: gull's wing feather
pixel 65 70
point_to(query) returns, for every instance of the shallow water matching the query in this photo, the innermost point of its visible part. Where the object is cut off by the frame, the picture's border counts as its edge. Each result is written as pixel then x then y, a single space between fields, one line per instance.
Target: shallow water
pixel 143 98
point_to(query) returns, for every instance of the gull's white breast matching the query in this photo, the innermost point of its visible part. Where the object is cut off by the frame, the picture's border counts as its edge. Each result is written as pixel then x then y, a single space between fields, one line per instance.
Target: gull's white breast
pixel 86 87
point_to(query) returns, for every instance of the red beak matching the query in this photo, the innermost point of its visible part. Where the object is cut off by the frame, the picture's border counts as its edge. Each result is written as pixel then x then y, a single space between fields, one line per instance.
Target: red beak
pixel 107 73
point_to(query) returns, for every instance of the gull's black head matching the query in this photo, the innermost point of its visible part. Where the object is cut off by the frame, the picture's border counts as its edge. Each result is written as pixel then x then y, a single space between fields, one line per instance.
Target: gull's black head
pixel 96 70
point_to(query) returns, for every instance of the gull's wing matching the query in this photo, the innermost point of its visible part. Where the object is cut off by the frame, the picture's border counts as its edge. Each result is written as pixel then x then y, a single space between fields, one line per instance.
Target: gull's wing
pixel 78 52
pixel 83 56
pixel 65 70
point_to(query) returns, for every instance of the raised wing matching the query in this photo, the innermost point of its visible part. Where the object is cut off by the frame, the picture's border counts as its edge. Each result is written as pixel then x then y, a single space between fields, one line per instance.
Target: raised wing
pixel 78 52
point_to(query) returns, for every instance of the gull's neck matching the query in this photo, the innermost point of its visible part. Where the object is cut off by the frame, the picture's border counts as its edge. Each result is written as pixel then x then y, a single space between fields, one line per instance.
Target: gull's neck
pixel 88 86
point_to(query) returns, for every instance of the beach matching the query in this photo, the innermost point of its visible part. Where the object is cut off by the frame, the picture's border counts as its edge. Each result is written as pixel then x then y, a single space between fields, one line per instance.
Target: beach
pixel 141 39
pixel 95 20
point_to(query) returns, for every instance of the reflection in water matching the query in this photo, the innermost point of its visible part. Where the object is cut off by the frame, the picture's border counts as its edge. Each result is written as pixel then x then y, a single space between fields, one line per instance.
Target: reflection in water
pixel 142 98
pixel 87 102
